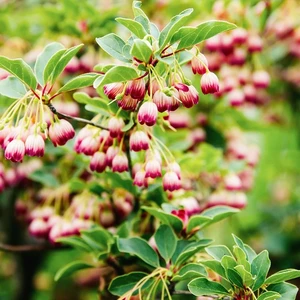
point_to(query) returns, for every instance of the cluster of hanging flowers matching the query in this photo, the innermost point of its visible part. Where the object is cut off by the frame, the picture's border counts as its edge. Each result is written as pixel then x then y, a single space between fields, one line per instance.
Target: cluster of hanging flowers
pixel 25 126
pixel 151 98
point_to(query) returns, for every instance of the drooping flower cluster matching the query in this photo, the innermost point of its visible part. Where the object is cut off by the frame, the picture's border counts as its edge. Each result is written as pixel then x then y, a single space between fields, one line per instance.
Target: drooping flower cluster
pixel 24 129
pixel 229 53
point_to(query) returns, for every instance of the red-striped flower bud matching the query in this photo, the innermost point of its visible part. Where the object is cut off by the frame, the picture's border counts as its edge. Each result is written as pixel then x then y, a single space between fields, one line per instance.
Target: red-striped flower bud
pixel 128 103
pixel 148 113
pixel 110 154
pixel 232 182
pixel 136 89
pixel 153 168
pixel 214 43
pixel 35 145
pixel 115 126
pixel 39 228
pixel 261 79
pixel 239 36
pixel 188 95
pixel 209 83
pixel 60 132
pixel 255 44
pixel 162 101
pixel 236 97
pixel 171 182
pixel 111 90
pixel 199 64
pixel 138 141
pixel 174 166
pixel 15 150
pixel 98 162
pixel 89 145
pixel 120 163
pixel 140 179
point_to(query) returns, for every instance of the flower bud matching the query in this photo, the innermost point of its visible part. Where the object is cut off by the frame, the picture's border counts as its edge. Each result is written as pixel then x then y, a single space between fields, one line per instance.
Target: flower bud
pixel 136 89
pixel 147 113
pixel 120 163
pixel 128 103
pixel 188 95
pixel 209 83
pixel 115 126
pixel 35 145
pixel 15 150
pixel 110 154
pixel 38 228
pixel 111 90
pixel 140 179
pixel 239 36
pixel 171 181
pixel 174 166
pixel 232 182
pixel 153 168
pixel 254 44
pixel 236 97
pixel 138 141
pixel 162 101
pixel 60 132
pixel 199 64
pixel 98 162
pixel 89 145
pixel 261 79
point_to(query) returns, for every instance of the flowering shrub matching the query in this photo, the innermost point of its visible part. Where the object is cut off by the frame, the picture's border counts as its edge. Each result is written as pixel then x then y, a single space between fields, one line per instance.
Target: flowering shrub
pixel 153 161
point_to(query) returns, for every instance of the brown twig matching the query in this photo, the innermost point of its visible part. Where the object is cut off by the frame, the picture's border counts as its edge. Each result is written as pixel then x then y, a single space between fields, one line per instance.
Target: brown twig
pixel 25 248
pixel 81 120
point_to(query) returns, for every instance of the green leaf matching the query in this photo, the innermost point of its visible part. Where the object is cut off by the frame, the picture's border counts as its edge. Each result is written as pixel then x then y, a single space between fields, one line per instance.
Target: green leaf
pixel 259 268
pixel 286 290
pixel 63 61
pixel 197 221
pixel 190 271
pixel 113 45
pixel 99 239
pixel 44 177
pixel 71 268
pixel 239 243
pixel 190 36
pixel 217 252
pixel 141 50
pixel 241 258
pixel 228 262
pixel 175 23
pixel 12 87
pixel 251 254
pixel 75 242
pixel 139 247
pixel 52 63
pixel 235 278
pixel 43 58
pixel 140 16
pixel 166 241
pixel 190 250
pixel 135 27
pixel 129 125
pixel 215 266
pixel 246 276
pixel 97 102
pixel 122 284
pixel 283 275
pixel 218 213
pixel 78 82
pixel 165 218
pixel 20 69
pixel 118 74
pixel 203 286
pixel 269 296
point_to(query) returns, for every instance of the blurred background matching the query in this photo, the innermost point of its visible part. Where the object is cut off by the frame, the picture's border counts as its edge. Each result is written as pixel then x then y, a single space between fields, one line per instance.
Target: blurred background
pixel 271 218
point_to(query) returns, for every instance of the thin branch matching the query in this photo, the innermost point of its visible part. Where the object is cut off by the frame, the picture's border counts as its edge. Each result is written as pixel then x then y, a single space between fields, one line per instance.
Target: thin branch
pixel 81 120
pixel 25 248
pixel 127 150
